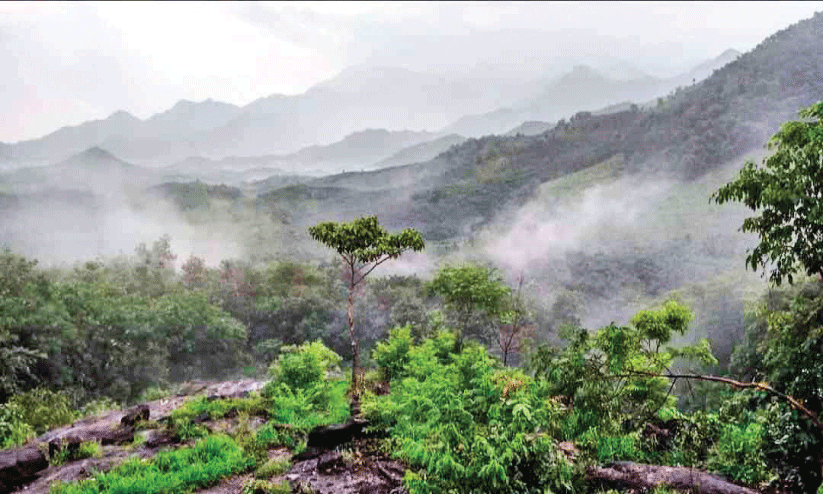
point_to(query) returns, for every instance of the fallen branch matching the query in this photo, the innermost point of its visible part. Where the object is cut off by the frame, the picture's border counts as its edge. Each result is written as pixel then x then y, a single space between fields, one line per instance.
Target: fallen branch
pixel 627 475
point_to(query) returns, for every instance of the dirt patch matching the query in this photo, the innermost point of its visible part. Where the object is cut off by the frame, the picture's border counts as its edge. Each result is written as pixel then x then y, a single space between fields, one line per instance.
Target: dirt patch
pixel 360 468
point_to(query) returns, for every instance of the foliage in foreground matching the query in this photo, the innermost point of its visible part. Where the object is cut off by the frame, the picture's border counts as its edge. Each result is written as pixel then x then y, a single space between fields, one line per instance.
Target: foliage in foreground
pixel 38 410
pixel 784 347
pixel 785 192
pixel 301 392
pixel 170 472
pixel 466 424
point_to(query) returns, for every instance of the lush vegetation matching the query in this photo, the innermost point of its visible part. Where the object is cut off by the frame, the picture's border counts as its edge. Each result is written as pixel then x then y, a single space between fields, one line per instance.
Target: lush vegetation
pixel 77 340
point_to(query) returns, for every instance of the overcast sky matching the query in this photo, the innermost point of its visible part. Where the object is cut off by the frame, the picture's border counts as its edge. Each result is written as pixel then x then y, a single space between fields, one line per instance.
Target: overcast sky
pixel 63 63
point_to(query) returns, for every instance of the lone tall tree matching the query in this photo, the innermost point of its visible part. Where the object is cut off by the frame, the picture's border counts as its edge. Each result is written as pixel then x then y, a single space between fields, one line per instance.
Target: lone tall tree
pixel 363 244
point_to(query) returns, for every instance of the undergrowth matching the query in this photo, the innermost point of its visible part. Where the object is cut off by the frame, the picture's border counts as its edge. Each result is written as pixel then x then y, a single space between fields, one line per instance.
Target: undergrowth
pixel 170 472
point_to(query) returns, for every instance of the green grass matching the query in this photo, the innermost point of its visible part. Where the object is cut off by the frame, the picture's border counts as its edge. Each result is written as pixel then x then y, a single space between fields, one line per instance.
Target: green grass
pixel 216 409
pixel 255 485
pixel 272 467
pixel 88 449
pixel 170 472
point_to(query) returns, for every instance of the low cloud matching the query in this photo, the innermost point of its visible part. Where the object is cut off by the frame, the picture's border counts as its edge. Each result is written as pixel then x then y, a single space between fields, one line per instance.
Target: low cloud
pixel 546 229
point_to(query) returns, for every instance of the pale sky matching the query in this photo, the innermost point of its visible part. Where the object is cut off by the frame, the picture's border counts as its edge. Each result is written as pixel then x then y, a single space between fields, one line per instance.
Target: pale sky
pixel 64 63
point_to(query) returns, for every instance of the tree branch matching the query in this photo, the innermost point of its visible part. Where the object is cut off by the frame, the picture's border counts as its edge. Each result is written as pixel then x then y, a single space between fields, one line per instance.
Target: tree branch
pixel 377 263
pixel 762 386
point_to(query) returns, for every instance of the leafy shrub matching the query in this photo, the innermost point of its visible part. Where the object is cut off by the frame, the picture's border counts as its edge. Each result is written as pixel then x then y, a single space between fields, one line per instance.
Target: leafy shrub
pixel 185 430
pixel 139 440
pixel 617 448
pixel 257 486
pixel 791 445
pixel 739 454
pixel 153 393
pixel 96 407
pixel 463 424
pixel 88 449
pixel 301 367
pixel 321 404
pixel 694 436
pixel 249 441
pixel 739 448
pixel 391 356
pixel 218 408
pixel 43 408
pixel 14 430
pixel 268 348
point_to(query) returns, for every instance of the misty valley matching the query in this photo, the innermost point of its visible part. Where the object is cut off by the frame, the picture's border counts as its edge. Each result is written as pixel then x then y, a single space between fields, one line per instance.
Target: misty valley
pixel 585 283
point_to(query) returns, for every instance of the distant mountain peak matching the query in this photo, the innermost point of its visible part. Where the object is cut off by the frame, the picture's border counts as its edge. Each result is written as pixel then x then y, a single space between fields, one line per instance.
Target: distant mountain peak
pixel 352 78
pixel 583 72
pixel 367 132
pixel 92 158
pixel 582 68
pixel 95 152
pixel 122 115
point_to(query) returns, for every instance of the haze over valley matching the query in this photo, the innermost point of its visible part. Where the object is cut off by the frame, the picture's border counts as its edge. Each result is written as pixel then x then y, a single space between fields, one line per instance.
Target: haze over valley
pixel 591 179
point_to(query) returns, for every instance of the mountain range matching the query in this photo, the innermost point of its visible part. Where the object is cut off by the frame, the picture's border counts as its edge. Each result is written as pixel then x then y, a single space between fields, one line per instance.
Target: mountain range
pixel 682 136
pixel 358 99
pixel 583 89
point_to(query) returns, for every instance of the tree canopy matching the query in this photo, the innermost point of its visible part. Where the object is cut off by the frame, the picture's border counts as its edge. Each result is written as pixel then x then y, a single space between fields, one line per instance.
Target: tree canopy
pixel 788 193
pixel 471 291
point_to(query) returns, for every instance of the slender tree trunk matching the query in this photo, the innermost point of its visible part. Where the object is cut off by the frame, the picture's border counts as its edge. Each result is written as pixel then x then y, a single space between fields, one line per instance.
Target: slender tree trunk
pixel 355 392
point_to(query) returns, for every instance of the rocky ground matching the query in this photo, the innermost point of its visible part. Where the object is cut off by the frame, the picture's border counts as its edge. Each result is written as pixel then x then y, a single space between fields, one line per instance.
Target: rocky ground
pixel 359 468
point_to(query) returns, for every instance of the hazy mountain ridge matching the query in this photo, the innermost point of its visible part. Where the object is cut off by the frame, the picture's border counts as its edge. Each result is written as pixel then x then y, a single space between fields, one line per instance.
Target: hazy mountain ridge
pixel 95 170
pixel 692 131
pixel 73 139
pixel 457 194
pixel 358 150
pixel 530 128
pixel 582 89
pixel 358 98
pixel 423 151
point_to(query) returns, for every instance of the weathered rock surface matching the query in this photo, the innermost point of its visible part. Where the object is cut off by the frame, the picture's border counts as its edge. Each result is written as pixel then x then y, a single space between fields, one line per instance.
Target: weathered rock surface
pixel 136 414
pixel 628 475
pixel 330 474
pixel 28 466
pixel 20 465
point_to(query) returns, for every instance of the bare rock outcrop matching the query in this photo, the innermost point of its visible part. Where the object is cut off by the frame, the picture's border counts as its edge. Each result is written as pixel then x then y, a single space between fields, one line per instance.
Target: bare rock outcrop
pixel 20 465
pixel 24 465
pixel 628 475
